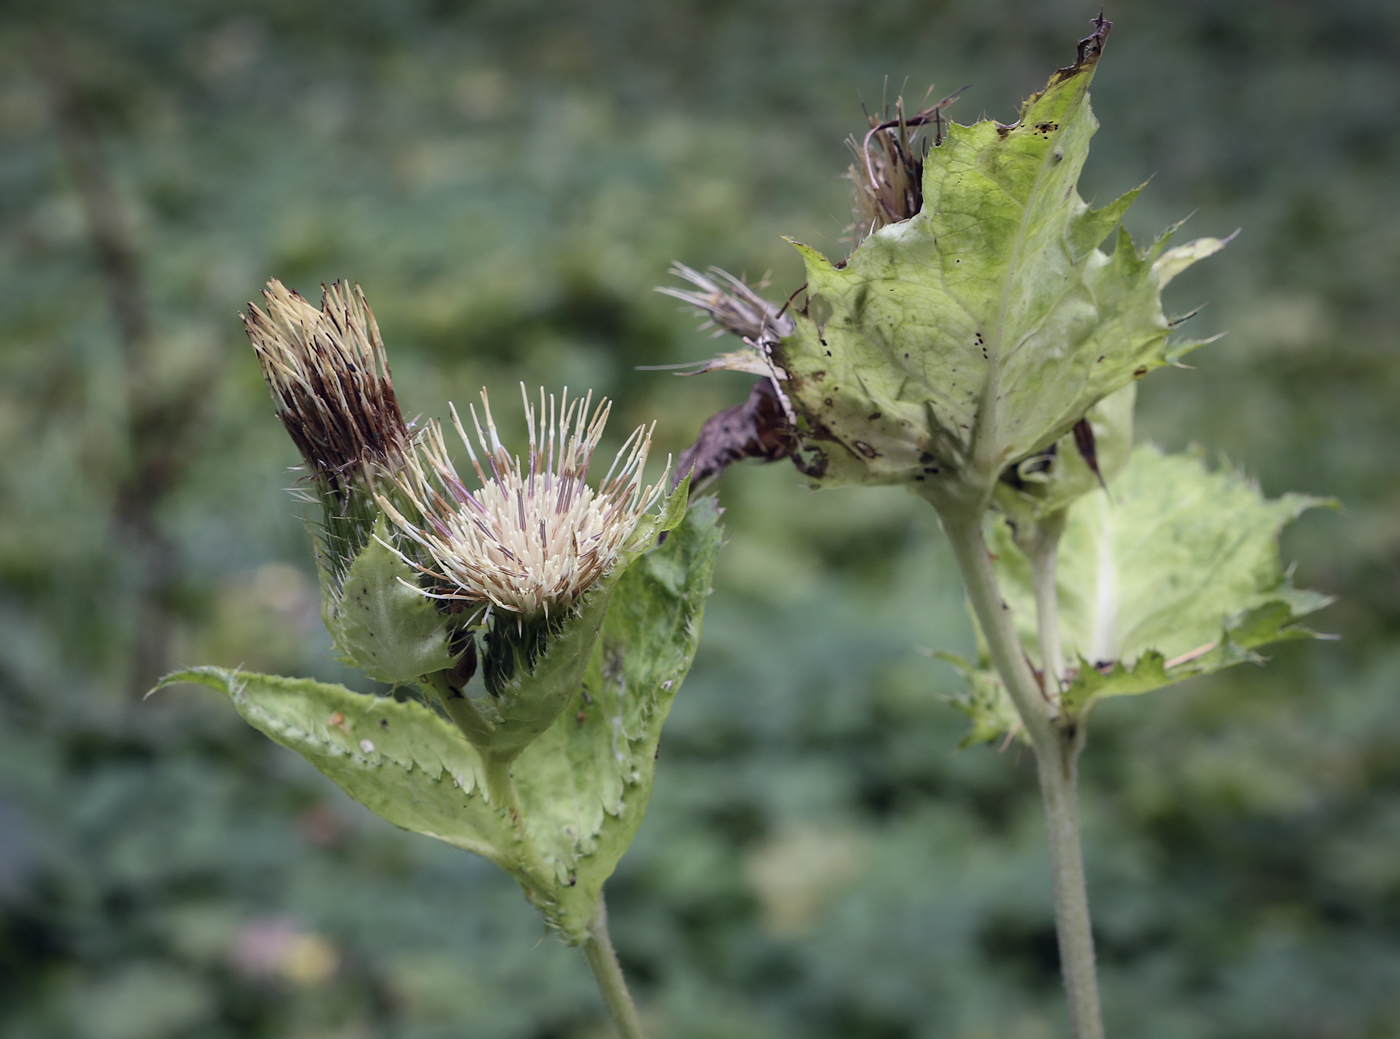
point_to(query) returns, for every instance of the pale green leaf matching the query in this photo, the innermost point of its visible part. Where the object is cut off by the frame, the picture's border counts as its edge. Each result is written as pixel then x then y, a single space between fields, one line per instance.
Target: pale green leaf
pixel 984 701
pixel 978 332
pixel 399 759
pixel 1051 481
pixel 1174 261
pixel 1175 572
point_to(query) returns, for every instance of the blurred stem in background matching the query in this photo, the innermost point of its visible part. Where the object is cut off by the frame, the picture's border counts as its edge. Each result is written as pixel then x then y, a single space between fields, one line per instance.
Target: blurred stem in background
pixel 159 420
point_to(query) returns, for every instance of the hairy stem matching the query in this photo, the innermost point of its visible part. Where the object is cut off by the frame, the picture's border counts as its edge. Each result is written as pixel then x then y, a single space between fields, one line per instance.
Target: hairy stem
pixel 1056 767
pixel 613 986
pixel 1056 752
pixel 964 530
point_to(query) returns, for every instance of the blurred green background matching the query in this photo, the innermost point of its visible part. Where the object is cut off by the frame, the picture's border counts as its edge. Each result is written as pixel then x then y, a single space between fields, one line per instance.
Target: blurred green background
pixel 508 180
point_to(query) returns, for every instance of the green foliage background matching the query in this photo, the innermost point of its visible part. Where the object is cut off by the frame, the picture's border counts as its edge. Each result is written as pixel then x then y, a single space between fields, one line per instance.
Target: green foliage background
pixel 508 180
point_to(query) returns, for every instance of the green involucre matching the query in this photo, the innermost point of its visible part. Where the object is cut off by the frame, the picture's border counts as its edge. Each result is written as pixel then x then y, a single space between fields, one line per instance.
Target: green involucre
pixel 541 683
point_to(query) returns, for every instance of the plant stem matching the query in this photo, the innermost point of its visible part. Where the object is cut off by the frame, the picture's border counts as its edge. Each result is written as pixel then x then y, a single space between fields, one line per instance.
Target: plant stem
pixel 964 530
pixel 1056 752
pixel 1058 775
pixel 613 986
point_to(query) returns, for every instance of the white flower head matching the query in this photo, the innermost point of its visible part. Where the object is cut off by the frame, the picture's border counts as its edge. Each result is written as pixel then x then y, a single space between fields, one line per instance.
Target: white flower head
pixel 534 537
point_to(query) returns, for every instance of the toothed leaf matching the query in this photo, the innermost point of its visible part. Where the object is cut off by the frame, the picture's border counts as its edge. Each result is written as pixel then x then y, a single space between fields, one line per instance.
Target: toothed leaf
pixel 1054 480
pixel 984 701
pixel 977 333
pixel 1173 573
pixel 398 759
pixel 584 784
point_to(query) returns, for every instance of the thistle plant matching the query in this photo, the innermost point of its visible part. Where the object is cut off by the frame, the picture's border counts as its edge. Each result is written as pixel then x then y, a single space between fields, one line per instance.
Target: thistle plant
pixel 584 624
pixel 980 346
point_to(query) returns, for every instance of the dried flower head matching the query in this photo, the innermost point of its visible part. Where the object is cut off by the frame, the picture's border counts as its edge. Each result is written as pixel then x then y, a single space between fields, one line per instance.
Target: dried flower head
pixel 887 178
pixel 330 380
pixel 734 307
pixel 535 536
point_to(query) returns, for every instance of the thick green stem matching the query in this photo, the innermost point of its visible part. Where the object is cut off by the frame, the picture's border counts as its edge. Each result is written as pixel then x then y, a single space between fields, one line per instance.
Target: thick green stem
pixel 601 957
pixel 1056 752
pixel 1059 791
pixel 964 530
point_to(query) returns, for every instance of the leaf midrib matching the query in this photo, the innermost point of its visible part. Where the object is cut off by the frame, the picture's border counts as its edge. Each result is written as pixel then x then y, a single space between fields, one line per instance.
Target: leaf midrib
pixel 988 416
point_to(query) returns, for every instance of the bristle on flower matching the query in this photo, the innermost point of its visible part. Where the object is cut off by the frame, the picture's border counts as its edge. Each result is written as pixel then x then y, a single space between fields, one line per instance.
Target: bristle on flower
pixel 534 536
pixel 733 307
pixel 330 381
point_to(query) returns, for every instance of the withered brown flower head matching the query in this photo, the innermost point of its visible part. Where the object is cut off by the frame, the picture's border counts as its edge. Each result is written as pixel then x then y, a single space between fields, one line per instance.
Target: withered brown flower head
pixel 330 380
pixel 535 536
pixel 733 306
pixel 887 176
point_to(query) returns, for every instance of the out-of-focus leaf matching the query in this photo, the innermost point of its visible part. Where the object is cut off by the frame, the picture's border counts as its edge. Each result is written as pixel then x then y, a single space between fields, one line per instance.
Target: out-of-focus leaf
pixel 1174 261
pixel 984 700
pixel 1173 573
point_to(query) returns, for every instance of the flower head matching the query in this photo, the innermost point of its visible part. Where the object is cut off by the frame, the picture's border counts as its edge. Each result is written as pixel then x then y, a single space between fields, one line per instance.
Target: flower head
pixel 534 536
pixel 732 307
pixel 888 173
pixel 329 378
